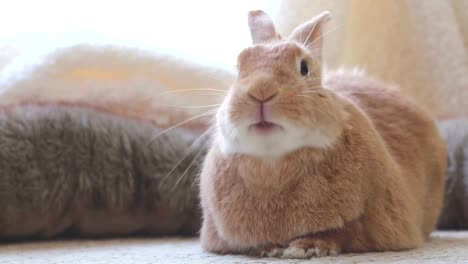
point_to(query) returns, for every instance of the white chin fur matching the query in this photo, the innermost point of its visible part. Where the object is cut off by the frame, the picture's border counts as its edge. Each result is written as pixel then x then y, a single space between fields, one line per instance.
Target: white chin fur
pixel 239 140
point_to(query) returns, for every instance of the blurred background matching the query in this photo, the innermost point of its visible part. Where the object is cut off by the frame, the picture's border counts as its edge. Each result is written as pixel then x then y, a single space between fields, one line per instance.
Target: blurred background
pixel 207 30
pixel 420 45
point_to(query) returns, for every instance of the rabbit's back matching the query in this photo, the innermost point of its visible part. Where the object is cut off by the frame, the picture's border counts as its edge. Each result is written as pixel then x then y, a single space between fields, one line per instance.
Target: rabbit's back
pixel 409 133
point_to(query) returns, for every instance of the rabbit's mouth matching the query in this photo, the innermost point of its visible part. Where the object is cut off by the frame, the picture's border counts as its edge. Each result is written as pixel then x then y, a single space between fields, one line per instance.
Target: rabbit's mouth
pixel 265 127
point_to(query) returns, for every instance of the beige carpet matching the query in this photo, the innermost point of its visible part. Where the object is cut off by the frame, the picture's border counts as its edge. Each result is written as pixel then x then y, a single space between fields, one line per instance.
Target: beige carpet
pixel 444 247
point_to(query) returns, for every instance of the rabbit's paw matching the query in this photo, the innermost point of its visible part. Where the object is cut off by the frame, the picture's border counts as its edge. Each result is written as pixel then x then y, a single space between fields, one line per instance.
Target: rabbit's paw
pixel 307 247
pixel 274 252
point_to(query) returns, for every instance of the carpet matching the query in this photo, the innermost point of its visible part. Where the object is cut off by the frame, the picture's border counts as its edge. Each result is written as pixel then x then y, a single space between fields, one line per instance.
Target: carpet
pixel 443 247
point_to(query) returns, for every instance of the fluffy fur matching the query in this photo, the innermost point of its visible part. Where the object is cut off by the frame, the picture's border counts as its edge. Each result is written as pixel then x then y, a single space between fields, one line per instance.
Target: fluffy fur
pixel 76 170
pixel 363 170
pixel 455 212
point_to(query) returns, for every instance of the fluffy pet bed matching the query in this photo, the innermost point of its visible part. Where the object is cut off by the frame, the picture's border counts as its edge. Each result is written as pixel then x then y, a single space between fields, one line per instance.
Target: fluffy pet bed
pixel 94 144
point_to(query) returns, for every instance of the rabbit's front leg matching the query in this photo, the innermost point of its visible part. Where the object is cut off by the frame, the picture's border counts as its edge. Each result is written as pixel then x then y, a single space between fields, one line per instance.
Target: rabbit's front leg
pixel 210 239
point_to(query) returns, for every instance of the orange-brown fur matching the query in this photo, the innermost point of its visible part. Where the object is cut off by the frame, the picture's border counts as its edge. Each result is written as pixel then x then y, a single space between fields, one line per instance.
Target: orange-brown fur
pixel 378 186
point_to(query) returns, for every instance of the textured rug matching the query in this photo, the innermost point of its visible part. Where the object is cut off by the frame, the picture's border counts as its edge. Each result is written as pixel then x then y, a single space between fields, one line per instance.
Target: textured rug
pixel 443 247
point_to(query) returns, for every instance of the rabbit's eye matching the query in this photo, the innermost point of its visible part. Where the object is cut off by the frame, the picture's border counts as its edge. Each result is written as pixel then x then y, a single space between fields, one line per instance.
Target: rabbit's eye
pixel 304 68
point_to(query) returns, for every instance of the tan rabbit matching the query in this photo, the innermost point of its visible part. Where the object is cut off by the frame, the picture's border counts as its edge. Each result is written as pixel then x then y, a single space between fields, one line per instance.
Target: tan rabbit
pixel 304 164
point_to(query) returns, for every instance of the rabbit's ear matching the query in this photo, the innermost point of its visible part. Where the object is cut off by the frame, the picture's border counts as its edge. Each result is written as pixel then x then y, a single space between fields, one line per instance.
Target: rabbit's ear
pixel 261 27
pixel 310 33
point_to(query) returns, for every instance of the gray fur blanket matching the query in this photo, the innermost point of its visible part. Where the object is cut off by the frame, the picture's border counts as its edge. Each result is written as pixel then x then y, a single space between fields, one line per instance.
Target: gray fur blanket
pixel 455 212
pixel 78 171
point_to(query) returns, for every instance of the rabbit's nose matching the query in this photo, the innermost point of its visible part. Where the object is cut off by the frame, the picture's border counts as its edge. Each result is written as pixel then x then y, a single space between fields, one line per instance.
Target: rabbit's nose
pixel 261 98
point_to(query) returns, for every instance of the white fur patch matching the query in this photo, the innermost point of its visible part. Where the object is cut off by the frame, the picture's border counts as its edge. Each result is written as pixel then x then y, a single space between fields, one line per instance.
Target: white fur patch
pixel 275 144
pixel 294 252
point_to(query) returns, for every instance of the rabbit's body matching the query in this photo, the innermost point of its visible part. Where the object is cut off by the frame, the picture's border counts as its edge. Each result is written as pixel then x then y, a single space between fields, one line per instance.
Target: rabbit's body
pixel 376 184
pixel 379 188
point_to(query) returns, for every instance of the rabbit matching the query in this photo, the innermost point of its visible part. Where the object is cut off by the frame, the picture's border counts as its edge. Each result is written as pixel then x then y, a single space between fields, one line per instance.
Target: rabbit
pixel 307 163
pixel 81 171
